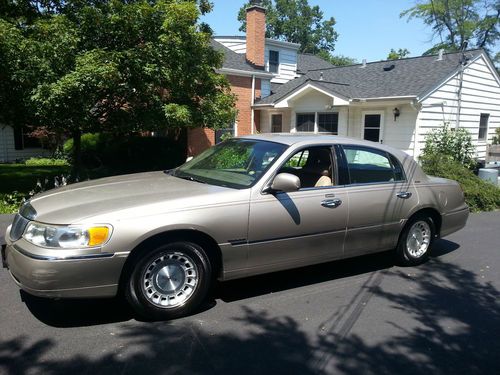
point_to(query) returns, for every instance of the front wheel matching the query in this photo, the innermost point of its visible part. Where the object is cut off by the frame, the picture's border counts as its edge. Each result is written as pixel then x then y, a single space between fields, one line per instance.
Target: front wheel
pixel 415 241
pixel 170 281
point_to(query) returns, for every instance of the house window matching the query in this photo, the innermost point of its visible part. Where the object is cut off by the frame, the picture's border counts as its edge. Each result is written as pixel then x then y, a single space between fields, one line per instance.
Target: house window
pixel 328 123
pixel 276 123
pixel 305 122
pixel 483 126
pixel 274 61
pixel 23 140
pixel 222 134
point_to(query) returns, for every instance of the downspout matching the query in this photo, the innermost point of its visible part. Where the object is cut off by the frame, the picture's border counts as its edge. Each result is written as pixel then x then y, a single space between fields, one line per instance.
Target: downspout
pixel 252 115
pixel 459 96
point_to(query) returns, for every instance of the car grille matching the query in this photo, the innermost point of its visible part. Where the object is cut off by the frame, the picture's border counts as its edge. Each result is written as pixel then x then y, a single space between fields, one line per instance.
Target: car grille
pixel 18 226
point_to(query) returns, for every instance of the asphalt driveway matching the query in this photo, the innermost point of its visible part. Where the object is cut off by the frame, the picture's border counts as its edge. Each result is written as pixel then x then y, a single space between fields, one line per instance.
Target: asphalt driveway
pixel 360 316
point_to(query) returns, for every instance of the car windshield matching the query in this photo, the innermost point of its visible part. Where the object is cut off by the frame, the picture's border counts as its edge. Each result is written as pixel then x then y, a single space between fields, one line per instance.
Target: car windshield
pixel 235 163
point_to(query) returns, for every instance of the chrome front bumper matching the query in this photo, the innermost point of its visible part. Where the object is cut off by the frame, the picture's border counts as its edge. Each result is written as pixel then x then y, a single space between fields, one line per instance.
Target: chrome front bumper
pixel 82 276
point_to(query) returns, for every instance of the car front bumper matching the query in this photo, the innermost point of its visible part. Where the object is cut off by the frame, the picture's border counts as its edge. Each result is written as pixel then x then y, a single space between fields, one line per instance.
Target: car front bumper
pixel 64 276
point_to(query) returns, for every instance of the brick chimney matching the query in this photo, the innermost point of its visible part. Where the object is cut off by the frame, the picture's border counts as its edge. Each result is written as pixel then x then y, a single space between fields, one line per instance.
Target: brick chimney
pixel 256 33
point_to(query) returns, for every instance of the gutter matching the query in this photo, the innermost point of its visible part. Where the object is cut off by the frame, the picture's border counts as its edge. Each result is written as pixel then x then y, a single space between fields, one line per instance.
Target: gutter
pixel 362 100
pixel 245 73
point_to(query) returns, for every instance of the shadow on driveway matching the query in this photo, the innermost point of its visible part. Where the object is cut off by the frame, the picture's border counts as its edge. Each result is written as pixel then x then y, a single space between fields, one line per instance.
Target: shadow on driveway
pixel 458 327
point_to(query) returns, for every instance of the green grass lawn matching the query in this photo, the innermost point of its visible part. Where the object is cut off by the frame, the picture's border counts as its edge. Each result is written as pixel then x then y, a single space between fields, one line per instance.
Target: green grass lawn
pixel 23 178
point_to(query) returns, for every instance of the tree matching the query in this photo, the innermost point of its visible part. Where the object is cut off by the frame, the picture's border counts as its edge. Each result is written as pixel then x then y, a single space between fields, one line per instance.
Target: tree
pixel 337 60
pixel 113 66
pixel 457 21
pixel 297 22
pixel 401 53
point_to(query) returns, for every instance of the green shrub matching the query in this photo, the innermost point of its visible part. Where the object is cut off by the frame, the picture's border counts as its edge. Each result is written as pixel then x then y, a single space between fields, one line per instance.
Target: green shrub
pixel 480 195
pixel 496 137
pixel 455 143
pixel 10 203
pixel 46 162
pixel 105 154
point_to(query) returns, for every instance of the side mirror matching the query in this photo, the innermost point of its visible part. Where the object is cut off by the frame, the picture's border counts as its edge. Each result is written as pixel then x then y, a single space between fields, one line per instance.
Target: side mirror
pixel 285 182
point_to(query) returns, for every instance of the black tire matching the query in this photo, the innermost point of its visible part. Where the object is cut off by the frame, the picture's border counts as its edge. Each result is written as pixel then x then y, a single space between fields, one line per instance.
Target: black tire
pixel 169 282
pixel 411 254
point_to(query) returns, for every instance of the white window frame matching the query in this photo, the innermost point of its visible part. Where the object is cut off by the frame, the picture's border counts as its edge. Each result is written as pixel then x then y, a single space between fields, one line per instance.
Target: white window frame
pixel 382 123
pixel 485 139
pixel 316 118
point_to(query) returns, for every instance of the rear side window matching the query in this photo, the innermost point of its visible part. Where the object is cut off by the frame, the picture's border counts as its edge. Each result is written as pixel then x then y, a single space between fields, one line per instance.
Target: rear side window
pixel 366 165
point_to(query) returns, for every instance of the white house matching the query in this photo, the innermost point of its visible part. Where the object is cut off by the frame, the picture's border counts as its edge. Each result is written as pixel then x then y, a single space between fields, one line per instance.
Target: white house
pixel 15 144
pixel 393 102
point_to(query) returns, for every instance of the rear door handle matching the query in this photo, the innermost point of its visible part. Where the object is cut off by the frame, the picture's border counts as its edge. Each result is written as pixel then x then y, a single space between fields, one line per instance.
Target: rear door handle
pixel 331 203
pixel 404 194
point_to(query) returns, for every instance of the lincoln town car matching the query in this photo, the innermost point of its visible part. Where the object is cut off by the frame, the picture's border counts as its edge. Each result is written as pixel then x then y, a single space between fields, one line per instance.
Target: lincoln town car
pixel 247 206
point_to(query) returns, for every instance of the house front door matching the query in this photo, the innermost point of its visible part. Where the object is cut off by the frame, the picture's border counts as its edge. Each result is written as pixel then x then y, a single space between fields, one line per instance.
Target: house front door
pixel 372 127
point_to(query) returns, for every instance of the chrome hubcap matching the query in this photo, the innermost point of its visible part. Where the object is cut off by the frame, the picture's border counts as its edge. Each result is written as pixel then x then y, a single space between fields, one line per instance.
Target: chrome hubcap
pixel 418 239
pixel 169 280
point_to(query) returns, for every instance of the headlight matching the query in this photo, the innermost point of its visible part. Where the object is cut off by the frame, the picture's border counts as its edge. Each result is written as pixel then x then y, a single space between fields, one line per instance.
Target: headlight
pixel 67 237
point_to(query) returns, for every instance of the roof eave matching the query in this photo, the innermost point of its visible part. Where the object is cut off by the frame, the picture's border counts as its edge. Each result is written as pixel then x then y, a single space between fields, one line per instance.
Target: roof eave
pixel 245 73
pixel 425 95
pixel 362 100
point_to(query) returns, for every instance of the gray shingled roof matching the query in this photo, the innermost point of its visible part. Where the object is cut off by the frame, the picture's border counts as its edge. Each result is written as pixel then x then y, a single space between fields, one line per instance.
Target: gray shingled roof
pixel 233 60
pixel 415 76
pixel 306 62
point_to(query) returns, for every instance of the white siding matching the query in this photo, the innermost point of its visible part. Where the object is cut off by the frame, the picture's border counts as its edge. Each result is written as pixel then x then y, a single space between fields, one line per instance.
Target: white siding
pixel 288 63
pixel 265 120
pixel 8 153
pixel 265 88
pixel 236 45
pixel 399 134
pixel 480 94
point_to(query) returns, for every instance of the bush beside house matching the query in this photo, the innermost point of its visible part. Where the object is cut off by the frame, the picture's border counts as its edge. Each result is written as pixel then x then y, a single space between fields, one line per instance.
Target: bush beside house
pixel 448 153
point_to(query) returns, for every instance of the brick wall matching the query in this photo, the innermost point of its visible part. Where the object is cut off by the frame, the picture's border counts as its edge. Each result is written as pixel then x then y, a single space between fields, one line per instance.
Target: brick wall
pixel 255 35
pixel 200 139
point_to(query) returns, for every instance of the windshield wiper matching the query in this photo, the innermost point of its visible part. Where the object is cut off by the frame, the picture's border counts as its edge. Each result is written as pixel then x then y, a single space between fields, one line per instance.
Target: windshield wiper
pixel 190 178
pixel 170 172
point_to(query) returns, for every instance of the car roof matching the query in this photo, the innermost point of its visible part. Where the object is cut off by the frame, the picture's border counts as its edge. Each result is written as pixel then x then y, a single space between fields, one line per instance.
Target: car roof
pixel 308 138
pixel 304 139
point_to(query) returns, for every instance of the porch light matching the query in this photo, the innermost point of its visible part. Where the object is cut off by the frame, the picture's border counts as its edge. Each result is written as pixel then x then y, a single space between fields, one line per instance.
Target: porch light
pixel 396 113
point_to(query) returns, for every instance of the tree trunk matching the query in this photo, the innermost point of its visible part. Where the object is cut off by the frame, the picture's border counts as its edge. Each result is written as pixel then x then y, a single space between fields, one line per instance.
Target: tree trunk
pixel 77 153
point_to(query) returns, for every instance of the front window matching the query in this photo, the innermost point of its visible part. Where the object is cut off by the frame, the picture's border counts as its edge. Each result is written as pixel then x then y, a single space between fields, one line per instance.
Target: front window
pixel 224 133
pixel 305 122
pixel 328 123
pixel 236 163
pixel 313 166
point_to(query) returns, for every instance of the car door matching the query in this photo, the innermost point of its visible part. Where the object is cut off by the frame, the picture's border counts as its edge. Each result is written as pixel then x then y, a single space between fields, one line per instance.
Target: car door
pixel 380 195
pixel 301 227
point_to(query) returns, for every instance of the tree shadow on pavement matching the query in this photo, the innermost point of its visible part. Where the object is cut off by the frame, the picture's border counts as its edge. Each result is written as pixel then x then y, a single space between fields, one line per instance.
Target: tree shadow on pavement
pixel 448 323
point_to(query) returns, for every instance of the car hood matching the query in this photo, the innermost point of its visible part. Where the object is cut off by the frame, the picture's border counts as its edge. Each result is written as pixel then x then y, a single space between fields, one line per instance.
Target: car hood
pixel 119 197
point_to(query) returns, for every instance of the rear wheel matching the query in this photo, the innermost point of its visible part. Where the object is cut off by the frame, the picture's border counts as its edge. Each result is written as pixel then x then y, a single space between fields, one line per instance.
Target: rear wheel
pixel 169 281
pixel 415 241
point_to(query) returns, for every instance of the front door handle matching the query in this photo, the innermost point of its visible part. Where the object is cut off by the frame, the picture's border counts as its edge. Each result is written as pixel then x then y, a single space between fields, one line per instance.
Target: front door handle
pixel 404 194
pixel 331 203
